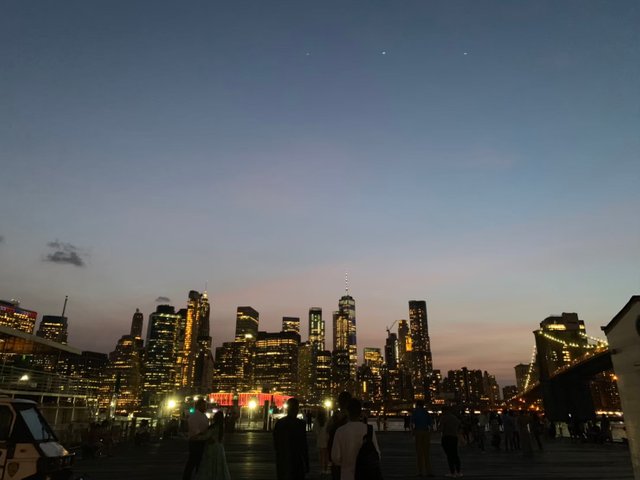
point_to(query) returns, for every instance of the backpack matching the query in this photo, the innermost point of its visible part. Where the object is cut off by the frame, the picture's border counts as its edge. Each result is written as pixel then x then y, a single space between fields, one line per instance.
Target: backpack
pixel 368 460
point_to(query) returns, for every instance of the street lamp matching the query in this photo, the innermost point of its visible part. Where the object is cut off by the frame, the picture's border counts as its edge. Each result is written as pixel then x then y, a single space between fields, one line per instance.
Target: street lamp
pixel 171 404
pixel 252 406
pixel 328 404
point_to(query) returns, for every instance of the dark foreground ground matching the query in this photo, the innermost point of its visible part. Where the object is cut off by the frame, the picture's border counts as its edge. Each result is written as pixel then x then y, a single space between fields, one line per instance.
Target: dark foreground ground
pixel 250 457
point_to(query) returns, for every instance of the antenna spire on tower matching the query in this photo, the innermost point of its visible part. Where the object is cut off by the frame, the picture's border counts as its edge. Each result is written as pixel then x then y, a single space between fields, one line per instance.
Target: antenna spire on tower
pixel 64 307
pixel 346 282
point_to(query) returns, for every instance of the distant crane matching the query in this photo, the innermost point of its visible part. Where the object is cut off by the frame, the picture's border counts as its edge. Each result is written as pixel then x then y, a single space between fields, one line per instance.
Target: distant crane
pixel 391 326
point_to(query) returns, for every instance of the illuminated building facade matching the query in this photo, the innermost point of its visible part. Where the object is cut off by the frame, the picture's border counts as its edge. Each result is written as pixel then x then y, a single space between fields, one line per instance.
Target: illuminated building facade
pixel 465 386
pixel 316 329
pixel 229 371
pixel 341 379
pixel 370 375
pixel 604 391
pixel 204 361
pixel 11 315
pixel 490 390
pixel 161 367
pixel 247 320
pixel 322 375
pixel 291 324
pixel 347 313
pixel 136 324
pixel 345 351
pixel 196 345
pixel 306 374
pixel 422 363
pixel 124 375
pixel 275 362
pixel 53 327
pixel 90 369
pixel 404 344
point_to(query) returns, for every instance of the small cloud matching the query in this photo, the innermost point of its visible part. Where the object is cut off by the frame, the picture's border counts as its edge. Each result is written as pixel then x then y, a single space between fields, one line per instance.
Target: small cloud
pixel 163 300
pixel 65 253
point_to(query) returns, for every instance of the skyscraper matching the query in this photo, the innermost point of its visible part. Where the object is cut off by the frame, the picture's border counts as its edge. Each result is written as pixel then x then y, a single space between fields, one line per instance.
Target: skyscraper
pixel 322 376
pixel 291 324
pixel 391 351
pixel 306 374
pixel 275 362
pixel 53 327
pixel 204 361
pixel 316 329
pixel 230 367
pixel 491 389
pixel 247 320
pixel 422 363
pixel 466 387
pixel 522 370
pixel 404 344
pixel 195 360
pixel 189 350
pixel 124 374
pixel 161 354
pixel 136 324
pixel 370 375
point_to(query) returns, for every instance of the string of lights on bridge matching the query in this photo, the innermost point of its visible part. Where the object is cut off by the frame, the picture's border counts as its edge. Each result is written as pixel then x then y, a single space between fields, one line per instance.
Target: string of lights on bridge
pixel 599 344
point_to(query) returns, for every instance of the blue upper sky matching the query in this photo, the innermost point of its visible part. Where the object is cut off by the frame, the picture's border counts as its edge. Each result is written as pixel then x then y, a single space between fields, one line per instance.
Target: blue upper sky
pixel 481 155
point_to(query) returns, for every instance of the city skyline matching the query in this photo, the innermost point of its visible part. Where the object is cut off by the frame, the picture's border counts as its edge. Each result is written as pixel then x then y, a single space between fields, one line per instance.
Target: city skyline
pixel 502 369
pixel 483 156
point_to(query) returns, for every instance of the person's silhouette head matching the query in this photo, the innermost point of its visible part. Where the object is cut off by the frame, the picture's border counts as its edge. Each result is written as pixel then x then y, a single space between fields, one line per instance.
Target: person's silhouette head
pixel 293 407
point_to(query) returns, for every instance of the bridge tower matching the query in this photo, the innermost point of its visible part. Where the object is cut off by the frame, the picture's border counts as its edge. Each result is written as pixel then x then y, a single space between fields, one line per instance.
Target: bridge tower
pixel 560 341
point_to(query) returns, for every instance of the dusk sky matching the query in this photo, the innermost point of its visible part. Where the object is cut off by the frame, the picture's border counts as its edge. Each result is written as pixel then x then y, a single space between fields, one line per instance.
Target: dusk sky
pixel 483 156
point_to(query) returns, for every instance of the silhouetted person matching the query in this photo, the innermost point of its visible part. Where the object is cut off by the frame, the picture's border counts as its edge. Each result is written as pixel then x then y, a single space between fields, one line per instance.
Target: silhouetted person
pixel 536 429
pixel 421 427
pixel 198 423
pixel 348 440
pixel 309 417
pixel 290 441
pixel 339 418
pixel 322 440
pixel 525 437
pixel 214 462
pixel 450 426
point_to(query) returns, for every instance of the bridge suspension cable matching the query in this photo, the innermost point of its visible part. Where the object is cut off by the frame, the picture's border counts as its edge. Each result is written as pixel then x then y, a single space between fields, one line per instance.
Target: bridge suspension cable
pixel 573 344
pixel 599 341
pixel 527 379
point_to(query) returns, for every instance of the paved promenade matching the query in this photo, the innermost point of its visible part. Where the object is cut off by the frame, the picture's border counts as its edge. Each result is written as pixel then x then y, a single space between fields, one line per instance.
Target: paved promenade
pixel 250 457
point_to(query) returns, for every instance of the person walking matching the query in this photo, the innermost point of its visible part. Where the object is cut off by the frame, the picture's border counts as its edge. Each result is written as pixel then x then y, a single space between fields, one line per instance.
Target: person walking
pixel 348 440
pixel 450 426
pixel 338 419
pixel 421 425
pixel 407 422
pixel 322 440
pixel 509 426
pixel 213 465
pixel 290 441
pixel 198 423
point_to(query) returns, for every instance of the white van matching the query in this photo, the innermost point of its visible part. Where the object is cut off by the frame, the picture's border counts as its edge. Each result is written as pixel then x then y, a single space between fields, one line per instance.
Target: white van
pixel 29 450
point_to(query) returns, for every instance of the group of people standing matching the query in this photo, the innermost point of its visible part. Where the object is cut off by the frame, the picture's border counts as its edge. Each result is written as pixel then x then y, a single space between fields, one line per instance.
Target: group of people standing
pixel 339 440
